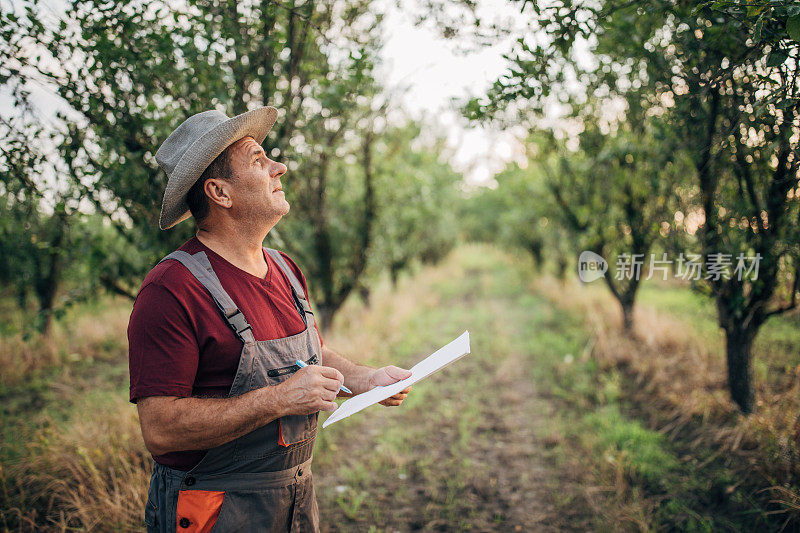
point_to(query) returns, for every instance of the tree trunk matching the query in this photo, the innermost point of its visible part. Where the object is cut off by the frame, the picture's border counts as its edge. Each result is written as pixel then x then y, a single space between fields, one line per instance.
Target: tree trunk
pixel 49 272
pixel 46 294
pixel 22 296
pixel 627 316
pixel 562 267
pixel 738 345
pixel 364 292
pixel 536 251
pixel 626 298
pixel 324 316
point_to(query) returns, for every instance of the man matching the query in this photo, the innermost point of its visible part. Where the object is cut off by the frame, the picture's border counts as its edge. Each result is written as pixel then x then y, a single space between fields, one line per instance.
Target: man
pixel 217 326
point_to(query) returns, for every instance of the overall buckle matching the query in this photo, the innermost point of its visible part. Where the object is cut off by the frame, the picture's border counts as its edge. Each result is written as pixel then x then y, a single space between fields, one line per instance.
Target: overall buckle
pixel 238 323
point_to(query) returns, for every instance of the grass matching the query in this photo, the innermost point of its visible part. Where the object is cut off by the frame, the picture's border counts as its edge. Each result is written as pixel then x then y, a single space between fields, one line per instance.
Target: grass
pixel 673 380
pixel 554 421
pixel 776 345
pixel 93 332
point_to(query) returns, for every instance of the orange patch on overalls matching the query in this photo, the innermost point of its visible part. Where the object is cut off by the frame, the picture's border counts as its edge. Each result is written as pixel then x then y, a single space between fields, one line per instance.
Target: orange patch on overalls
pixel 198 510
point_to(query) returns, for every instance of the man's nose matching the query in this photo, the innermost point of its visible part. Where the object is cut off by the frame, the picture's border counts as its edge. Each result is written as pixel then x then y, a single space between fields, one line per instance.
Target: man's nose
pixel 278 169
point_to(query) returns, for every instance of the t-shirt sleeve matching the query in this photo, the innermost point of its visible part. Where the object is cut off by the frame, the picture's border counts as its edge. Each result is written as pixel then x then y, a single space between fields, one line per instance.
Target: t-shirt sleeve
pixel 299 274
pixel 162 347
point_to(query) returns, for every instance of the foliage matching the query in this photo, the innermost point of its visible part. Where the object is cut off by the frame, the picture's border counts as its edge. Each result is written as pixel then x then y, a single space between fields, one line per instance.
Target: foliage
pixel 129 73
pixel 519 214
pixel 34 225
pixel 723 75
pixel 417 196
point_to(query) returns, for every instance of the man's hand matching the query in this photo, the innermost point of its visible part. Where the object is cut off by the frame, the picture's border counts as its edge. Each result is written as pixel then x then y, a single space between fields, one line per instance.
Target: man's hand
pixel 363 378
pixel 386 376
pixel 311 389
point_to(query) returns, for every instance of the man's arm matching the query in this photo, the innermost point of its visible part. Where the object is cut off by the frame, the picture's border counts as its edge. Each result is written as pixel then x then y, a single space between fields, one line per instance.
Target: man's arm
pixel 360 378
pixel 171 423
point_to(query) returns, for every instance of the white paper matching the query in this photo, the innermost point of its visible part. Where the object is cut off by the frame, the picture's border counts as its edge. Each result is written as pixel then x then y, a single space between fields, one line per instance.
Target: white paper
pixel 436 361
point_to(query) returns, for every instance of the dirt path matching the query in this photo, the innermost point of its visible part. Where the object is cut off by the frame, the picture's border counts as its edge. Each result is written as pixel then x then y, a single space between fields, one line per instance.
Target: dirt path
pixel 472 449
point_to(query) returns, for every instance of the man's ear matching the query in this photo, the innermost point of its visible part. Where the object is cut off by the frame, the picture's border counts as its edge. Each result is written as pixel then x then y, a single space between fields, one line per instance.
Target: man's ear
pixel 218 192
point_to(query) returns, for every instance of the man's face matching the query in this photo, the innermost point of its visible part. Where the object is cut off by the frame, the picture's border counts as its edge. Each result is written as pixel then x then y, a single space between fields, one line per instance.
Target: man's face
pixel 256 194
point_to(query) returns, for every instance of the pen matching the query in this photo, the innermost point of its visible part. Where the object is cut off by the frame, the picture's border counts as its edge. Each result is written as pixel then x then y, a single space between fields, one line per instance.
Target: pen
pixel 302 364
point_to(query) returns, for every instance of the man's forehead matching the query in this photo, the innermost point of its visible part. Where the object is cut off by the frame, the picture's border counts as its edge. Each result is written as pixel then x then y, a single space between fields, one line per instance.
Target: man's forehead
pixel 248 145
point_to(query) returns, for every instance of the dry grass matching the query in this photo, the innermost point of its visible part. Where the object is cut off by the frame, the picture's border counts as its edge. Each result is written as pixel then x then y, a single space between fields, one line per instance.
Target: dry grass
pixel 79 337
pixel 90 473
pixel 78 460
pixel 362 331
pixel 678 384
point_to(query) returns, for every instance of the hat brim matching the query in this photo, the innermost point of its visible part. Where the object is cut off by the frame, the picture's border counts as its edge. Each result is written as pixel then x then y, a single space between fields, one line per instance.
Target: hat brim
pixel 256 123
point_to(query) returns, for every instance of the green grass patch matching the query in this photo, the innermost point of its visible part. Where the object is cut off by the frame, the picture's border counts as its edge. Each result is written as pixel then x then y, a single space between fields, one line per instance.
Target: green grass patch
pixel 776 344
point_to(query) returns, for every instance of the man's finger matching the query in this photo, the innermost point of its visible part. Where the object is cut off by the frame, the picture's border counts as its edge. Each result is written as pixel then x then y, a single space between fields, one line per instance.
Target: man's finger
pixel 329 406
pixel 388 375
pixel 329 395
pixel 397 373
pixel 332 384
pixel 391 402
pixel 332 373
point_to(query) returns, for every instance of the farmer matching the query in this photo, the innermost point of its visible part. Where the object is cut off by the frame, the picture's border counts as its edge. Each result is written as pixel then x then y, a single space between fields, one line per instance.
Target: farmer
pixel 217 326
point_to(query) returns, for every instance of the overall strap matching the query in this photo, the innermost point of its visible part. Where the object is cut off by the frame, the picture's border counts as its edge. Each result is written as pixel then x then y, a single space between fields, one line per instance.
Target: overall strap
pixel 297 288
pixel 199 265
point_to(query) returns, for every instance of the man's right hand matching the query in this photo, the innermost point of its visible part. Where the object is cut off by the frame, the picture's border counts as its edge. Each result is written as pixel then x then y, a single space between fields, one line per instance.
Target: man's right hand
pixel 311 389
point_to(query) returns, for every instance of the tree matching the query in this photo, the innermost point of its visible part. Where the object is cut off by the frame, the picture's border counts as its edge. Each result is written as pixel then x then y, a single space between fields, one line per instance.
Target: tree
pixel 615 194
pixel 416 194
pixel 747 167
pixel 725 75
pixel 131 72
pixel 518 213
pixel 34 230
pixel 612 195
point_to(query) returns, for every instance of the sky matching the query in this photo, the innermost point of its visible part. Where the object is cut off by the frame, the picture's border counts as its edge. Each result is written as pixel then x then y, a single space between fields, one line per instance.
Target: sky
pixel 430 70
pixel 434 71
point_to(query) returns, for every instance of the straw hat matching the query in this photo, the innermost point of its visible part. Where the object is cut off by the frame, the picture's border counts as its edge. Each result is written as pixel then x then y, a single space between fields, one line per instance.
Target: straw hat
pixel 194 144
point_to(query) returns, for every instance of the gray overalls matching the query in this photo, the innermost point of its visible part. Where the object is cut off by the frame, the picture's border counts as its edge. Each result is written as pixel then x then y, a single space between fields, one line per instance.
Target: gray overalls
pixel 260 481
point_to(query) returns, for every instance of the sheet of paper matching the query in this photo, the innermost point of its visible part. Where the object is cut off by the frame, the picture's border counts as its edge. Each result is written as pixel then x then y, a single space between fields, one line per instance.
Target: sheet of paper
pixel 436 361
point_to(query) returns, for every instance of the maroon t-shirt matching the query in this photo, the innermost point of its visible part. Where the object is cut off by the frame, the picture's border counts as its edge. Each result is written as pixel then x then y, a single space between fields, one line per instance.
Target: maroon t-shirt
pixel 179 344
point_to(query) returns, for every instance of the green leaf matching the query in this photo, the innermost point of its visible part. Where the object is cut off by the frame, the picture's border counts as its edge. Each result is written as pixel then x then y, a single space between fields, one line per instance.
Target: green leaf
pixel 757 28
pixel 777 58
pixel 702 6
pixel 793 28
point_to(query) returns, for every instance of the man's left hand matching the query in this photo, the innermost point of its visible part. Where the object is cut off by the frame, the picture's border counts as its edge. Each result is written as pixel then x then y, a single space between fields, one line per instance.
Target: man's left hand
pixel 386 376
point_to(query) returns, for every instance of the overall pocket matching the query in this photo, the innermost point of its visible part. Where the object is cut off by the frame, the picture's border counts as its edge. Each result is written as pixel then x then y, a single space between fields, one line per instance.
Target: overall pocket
pixel 271 369
pixel 293 429
pixel 156 496
pixel 267 510
pixel 198 510
pixel 150 520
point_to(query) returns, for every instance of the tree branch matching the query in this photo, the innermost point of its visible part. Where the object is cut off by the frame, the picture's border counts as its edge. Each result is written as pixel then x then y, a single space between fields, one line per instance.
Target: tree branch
pixel 792 302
